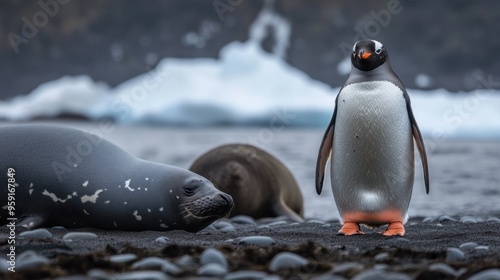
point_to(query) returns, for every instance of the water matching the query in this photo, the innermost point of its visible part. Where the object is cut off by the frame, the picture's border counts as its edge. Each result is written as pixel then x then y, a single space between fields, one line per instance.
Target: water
pixel 465 175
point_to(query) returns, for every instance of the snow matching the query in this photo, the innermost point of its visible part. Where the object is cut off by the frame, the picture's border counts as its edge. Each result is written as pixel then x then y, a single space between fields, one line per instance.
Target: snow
pixel 244 86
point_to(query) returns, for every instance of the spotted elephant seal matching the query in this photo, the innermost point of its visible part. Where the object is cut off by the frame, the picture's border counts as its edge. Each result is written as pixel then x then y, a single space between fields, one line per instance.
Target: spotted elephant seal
pixel 67 177
pixel 260 184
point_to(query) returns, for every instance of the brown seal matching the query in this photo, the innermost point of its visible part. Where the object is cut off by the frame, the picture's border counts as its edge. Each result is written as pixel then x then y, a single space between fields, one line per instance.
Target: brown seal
pixel 260 185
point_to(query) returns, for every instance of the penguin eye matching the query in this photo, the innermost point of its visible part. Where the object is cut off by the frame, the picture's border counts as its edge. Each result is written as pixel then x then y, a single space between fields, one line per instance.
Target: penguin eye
pixel 378 51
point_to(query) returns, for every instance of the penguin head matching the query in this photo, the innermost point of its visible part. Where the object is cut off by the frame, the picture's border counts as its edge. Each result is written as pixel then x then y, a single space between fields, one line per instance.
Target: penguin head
pixel 368 55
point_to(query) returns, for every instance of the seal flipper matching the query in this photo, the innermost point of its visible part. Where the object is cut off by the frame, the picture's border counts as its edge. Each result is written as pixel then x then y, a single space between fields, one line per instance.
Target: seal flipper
pixel 325 151
pixel 281 209
pixel 30 222
pixel 419 141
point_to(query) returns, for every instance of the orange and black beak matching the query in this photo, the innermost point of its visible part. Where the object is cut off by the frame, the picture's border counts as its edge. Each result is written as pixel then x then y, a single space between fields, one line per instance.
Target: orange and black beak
pixel 362 54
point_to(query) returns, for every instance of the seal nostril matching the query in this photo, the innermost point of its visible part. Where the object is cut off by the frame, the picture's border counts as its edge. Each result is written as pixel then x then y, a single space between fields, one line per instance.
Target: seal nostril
pixel 227 198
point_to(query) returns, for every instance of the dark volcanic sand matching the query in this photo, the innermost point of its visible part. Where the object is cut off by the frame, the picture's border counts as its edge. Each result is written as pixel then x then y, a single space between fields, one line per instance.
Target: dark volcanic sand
pixel 425 243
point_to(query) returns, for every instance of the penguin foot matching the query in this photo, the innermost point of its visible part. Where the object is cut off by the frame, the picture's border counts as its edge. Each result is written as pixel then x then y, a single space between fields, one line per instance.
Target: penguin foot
pixel 395 228
pixel 350 228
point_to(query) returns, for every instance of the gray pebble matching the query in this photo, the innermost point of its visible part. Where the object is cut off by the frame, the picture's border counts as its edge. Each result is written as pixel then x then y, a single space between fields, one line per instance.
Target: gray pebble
pixel 122 258
pixel 4 265
pixel 468 245
pixel 212 270
pixel 381 257
pixel 185 261
pixel 328 276
pixel 139 275
pixel 287 260
pixel 315 222
pixel 162 239
pixel 246 275
pixel 468 220
pixel 326 226
pixel 454 255
pixel 79 236
pixel 489 274
pixel 155 263
pixel 229 228
pixel 74 277
pixel 30 259
pixel 242 219
pixel 493 219
pixel 443 268
pixel 211 255
pixel 376 274
pixel 36 233
pixel 347 267
pixel 430 219
pixel 257 241
pixel 446 218
pixel 277 223
pixel 222 224
pixel 58 228
pixel 482 247
pixel 264 227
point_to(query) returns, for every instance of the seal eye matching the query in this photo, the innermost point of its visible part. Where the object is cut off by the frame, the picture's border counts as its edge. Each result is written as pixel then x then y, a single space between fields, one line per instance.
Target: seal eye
pixel 378 51
pixel 190 190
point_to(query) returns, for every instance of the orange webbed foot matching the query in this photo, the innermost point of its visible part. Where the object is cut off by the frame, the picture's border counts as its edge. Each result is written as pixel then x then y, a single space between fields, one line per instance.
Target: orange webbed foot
pixel 394 229
pixel 350 228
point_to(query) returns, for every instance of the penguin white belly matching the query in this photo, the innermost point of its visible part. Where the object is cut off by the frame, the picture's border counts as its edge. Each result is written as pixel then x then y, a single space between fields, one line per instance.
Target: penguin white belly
pixel 372 165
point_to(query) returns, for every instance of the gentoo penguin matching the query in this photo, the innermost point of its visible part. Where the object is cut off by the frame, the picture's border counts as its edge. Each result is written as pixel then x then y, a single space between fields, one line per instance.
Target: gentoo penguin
pixel 370 141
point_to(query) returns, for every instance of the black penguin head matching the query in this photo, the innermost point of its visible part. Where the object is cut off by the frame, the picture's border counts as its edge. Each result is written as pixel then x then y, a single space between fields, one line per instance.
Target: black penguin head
pixel 368 55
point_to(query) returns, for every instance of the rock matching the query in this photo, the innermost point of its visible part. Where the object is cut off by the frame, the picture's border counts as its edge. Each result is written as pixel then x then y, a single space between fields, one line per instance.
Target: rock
pixel 71 236
pixel 242 219
pixel 137 275
pixel 185 261
pixel 315 222
pixel 222 224
pixel 229 228
pixel 36 233
pixel 468 220
pixel 493 219
pixel 328 276
pixel 446 218
pixel 482 247
pixel 212 270
pixel 211 255
pixel 30 259
pixel 122 258
pixel 277 223
pixel 162 240
pixel 489 274
pixel 287 260
pixel 326 226
pixel 430 220
pixel 246 275
pixel 149 263
pixel 346 268
pixel 257 241
pixel 454 255
pixel 381 257
pixel 74 277
pixel 468 245
pixel 376 274
pixel 443 268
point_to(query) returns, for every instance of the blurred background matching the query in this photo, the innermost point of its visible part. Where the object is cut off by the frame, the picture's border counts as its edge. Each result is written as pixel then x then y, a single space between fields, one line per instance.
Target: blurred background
pixel 261 72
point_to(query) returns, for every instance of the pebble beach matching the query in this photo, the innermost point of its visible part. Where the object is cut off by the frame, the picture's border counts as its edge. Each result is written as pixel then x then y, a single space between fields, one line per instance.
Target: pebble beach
pixel 441 247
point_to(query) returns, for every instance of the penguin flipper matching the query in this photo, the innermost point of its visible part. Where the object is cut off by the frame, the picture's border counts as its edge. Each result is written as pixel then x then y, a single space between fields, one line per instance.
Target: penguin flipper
pixel 325 151
pixel 423 156
pixel 419 141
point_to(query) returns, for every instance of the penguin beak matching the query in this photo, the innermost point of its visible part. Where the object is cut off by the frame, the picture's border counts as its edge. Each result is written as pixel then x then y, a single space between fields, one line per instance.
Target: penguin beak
pixel 364 55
